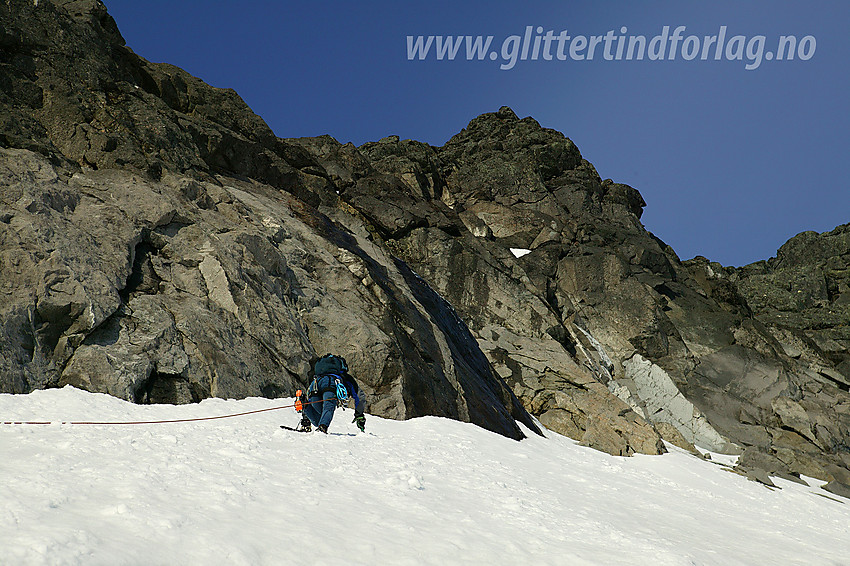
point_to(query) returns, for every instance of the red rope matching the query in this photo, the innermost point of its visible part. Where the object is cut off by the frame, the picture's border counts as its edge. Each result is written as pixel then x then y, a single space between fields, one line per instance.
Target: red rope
pixel 156 422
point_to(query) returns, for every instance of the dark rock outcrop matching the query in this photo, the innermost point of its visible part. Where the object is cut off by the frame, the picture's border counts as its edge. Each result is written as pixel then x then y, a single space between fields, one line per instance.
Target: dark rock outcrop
pixel 72 91
pixel 803 297
pixel 799 375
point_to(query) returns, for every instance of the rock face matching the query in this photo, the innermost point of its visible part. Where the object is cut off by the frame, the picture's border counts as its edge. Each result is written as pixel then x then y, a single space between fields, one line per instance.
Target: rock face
pixel 134 263
pixel 176 290
pixel 474 199
pixel 159 243
pixel 800 304
pixel 803 297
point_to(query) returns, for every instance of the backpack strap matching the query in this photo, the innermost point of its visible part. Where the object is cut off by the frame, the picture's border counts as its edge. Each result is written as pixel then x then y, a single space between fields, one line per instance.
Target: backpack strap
pixel 334 384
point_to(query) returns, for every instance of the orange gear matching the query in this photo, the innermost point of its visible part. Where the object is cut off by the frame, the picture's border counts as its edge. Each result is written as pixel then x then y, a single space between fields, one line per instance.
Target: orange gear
pixel 298 404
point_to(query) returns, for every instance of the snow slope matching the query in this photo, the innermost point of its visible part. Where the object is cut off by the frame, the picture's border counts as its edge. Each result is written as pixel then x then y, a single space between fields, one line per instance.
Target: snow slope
pixel 426 491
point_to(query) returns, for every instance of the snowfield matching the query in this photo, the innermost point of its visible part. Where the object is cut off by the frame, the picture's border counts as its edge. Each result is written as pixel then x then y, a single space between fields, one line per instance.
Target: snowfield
pixel 242 491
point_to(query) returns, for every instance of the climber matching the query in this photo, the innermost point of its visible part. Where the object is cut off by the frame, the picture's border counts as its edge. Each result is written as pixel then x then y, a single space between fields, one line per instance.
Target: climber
pixel 331 385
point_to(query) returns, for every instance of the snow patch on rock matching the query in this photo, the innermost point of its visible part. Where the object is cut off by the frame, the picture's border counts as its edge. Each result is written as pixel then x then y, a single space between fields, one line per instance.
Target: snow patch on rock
pixel 519 252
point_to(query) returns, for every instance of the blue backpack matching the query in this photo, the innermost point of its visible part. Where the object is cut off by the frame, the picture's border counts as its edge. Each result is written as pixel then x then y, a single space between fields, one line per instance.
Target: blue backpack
pixel 330 364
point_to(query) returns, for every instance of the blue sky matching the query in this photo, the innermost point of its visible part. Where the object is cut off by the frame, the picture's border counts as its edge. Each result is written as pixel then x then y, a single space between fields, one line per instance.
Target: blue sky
pixel 731 162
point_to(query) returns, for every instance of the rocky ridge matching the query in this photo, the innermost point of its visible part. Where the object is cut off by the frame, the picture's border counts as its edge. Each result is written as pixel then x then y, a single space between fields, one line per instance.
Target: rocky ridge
pixel 161 244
